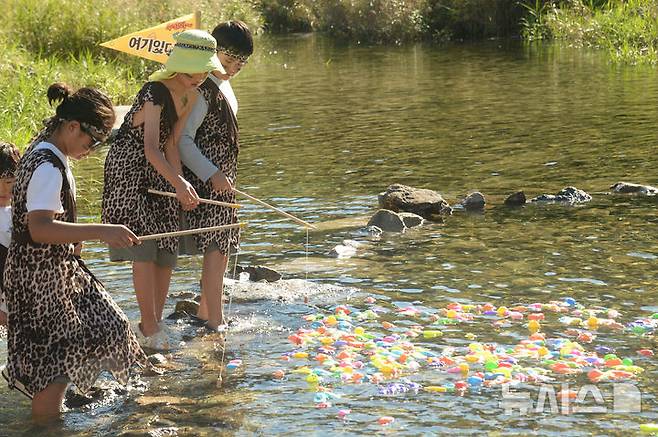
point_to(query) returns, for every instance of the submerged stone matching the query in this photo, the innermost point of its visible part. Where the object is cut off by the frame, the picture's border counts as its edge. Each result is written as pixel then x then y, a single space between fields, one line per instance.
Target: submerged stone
pixel 373 232
pixel 474 202
pixel 516 199
pixel 388 221
pixel 186 306
pixel 259 273
pixel 630 188
pixel 567 195
pixel 411 220
pixel 426 203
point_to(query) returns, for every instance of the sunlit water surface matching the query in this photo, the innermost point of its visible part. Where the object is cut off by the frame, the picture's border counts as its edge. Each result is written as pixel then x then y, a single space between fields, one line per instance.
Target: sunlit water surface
pixel 324 128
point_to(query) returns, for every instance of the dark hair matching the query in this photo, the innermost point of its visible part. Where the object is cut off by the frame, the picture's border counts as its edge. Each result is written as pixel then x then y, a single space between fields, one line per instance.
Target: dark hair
pixel 86 105
pixel 234 36
pixel 9 157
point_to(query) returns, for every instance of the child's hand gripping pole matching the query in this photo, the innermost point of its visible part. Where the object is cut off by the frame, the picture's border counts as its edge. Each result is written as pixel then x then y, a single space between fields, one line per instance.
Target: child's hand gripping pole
pixel 208 201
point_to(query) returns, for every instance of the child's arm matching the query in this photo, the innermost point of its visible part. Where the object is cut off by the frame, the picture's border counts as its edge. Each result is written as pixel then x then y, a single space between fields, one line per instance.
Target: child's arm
pixel 172 152
pixel 45 229
pixel 192 157
pixel 184 191
pixel 190 154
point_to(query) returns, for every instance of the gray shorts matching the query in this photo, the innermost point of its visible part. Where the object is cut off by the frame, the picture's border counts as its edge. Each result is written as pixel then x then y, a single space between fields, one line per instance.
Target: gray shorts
pixel 187 246
pixel 187 243
pixel 146 252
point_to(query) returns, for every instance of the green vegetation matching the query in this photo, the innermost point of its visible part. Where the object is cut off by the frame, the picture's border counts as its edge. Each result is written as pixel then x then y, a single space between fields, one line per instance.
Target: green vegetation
pixel 395 21
pixel 24 79
pixel 71 26
pixel 627 29
pixel 57 40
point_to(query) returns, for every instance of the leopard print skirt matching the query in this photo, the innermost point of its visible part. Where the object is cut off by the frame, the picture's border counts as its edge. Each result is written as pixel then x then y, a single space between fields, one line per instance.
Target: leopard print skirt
pixel 62 322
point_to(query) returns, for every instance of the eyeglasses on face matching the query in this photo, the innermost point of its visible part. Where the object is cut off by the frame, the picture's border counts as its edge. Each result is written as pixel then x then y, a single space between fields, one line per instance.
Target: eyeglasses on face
pixel 96 142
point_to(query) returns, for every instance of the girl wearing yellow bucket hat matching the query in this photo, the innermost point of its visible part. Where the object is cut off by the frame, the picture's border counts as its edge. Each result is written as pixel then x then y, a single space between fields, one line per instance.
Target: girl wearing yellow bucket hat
pixel 144 155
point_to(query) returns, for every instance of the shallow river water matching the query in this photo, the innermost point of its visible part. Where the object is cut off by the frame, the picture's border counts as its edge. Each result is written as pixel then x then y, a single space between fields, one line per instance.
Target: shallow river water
pixel 324 128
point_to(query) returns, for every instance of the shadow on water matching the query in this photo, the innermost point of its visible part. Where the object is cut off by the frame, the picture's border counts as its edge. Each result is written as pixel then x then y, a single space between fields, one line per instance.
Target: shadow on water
pixel 324 128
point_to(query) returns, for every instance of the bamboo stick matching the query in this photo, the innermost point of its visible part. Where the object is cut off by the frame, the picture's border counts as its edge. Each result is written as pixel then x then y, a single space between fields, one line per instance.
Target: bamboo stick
pixel 280 211
pixel 208 201
pixel 191 231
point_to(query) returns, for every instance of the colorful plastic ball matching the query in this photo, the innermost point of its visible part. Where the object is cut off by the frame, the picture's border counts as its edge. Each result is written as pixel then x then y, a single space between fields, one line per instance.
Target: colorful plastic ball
pixel 385 420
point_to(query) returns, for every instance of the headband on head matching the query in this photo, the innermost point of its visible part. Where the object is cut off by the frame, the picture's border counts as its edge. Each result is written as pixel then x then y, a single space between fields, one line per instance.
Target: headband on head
pixel 98 134
pixel 8 172
pixel 233 54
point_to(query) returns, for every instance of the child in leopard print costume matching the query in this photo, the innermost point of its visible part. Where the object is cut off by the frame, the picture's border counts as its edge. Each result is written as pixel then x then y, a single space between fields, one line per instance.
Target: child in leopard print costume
pixel 144 155
pixel 209 149
pixel 62 325
pixel 9 156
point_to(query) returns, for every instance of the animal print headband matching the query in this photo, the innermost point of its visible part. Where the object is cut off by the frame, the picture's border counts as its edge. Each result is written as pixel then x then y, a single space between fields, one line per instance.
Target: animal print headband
pixel 233 54
pixel 97 134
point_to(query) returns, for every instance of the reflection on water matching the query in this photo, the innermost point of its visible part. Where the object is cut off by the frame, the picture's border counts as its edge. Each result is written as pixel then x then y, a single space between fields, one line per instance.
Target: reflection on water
pixel 324 129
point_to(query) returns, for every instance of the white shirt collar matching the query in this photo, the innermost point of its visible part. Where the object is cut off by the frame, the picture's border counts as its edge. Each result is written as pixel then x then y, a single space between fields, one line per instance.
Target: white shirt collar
pixel 55 150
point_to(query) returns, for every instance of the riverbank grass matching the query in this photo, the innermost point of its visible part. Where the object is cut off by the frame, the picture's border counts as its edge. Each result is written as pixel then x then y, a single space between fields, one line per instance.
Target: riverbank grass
pixel 627 30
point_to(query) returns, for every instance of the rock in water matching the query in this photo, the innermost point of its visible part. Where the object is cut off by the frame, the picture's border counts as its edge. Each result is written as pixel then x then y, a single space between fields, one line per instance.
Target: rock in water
pixel 426 203
pixel 411 220
pixel 372 232
pixel 629 188
pixel 387 221
pixel 348 249
pixel 259 273
pixel 474 202
pixel 567 195
pixel 186 306
pixel 516 199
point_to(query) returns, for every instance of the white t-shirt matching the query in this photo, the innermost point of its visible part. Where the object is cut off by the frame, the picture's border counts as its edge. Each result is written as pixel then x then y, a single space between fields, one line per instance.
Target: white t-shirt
pixel 227 90
pixel 43 191
pixel 5 225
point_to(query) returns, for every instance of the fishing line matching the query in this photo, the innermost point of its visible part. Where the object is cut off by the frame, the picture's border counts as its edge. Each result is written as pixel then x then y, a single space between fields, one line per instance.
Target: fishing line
pixel 306 258
pixel 228 308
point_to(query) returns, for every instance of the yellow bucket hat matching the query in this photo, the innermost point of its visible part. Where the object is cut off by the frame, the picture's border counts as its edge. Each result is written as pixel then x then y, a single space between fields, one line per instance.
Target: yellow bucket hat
pixel 194 52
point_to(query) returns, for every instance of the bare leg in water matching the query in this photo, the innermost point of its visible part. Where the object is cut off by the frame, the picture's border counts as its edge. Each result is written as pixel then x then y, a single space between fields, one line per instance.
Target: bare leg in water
pixel 211 307
pixel 144 281
pixel 47 404
pixel 163 279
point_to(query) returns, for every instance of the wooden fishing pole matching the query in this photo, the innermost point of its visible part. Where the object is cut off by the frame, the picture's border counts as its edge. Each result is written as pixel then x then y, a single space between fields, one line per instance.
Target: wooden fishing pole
pixel 208 201
pixel 280 211
pixel 191 231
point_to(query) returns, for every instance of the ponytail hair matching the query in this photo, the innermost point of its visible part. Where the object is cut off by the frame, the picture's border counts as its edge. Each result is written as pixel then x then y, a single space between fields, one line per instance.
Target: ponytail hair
pixel 86 105
pixel 58 92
